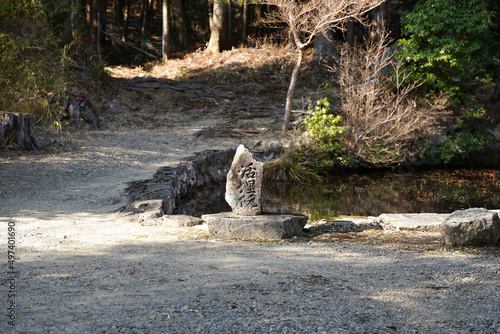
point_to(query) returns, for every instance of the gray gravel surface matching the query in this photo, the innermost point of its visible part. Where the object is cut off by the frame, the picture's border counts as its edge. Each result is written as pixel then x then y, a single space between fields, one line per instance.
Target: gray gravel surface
pixel 161 281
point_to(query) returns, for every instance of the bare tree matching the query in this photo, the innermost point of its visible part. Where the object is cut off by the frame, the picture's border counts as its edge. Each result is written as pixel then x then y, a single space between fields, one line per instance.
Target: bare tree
pixel 309 18
pixel 384 124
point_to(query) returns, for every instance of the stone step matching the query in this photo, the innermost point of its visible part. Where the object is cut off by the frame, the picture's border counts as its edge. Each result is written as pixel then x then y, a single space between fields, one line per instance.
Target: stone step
pixel 231 225
pixel 413 221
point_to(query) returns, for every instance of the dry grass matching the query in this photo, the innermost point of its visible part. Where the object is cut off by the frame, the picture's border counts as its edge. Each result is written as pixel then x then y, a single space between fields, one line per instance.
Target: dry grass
pixel 267 64
pixel 233 66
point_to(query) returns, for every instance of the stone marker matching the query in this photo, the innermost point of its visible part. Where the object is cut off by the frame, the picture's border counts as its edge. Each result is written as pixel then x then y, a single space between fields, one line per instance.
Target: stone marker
pixel 244 195
pixel 471 227
pixel 244 184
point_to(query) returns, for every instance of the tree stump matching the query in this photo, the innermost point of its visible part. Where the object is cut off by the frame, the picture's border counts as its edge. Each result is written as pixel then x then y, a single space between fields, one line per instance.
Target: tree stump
pixel 18 129
pixel 77 106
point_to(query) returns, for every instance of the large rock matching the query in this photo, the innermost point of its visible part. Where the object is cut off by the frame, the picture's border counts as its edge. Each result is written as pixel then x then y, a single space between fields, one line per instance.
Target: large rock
pixel 471 227
pixel 231 225
pixel 244 183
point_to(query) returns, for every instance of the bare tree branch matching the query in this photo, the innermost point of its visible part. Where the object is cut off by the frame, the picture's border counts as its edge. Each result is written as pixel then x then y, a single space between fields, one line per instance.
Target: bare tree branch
pixel 309 18
pixel 383 123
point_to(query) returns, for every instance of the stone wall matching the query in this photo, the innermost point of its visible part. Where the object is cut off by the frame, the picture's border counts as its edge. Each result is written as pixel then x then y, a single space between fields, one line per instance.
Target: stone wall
pixel 195 187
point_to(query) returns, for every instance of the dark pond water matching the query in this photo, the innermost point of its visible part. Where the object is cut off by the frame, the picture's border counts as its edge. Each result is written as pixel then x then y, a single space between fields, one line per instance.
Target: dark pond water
pixel 437 191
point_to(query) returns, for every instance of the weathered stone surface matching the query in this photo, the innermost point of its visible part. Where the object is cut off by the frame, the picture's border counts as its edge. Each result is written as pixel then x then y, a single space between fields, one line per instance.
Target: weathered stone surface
pixel 152 206
pixel 244 183
pixel 231 225
pixel 370 223
pixel 429 222
pixel 340 226
pixel 348 224
pixel 78 107
pixel 181 220
pixel 185 189
pixel 471 227
pixel 146 209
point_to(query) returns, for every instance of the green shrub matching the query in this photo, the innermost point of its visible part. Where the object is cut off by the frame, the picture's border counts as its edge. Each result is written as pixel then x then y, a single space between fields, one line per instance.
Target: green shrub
pixel 454 148
pixel 309 159
pixel 324 126
pixel 327 149
pixel 470 138
pixel 448 43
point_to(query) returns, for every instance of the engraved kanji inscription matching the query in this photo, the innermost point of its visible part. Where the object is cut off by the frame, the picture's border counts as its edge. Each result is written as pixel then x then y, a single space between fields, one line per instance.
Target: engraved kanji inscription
pixel 244 183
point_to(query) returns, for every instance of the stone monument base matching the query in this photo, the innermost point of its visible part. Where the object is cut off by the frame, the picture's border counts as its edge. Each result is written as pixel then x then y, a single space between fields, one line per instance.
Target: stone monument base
pixel 273 226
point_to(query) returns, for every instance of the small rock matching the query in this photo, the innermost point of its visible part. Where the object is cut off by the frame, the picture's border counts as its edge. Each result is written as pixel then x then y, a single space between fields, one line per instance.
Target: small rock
pixel 114 105
pixel 145 206
pixel 181 220
pixel 342 226
pixel 368 223
pixel 146 210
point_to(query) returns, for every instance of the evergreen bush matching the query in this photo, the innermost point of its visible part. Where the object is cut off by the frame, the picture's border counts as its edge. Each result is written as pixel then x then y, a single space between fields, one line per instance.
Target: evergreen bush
pixel 448 43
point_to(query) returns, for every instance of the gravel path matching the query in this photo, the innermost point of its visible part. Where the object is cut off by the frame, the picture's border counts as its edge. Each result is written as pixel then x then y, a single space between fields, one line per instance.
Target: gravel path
pixel 80 268
pixel 90 274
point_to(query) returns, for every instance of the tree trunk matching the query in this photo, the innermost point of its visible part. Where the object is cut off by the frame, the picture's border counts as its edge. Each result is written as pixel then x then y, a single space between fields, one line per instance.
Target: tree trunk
pixel 119 16
pixel 496 94
pixel 323 47
pixel 71 23
pixel 245 22
pixel 291 90
pixel 180 23
pixel 166 30
pixel 219 37
pixel 379 21
pixel 126 14
pixel 118 4
pixel 144 15
pixel 350 33
pixel 98 9
pixel 18 129
pixel 258 12
pixel 88 12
